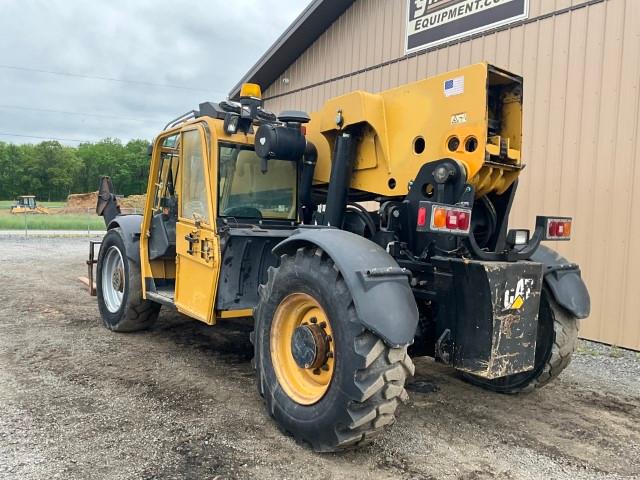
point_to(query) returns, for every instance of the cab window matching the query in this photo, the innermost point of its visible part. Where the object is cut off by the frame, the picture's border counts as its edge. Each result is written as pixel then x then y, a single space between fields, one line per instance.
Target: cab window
pixel 246 192
pixel 193 203
pixel 165 194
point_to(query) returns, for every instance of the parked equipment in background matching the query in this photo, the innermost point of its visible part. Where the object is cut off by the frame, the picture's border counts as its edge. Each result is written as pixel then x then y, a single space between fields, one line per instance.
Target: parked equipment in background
pixel 27 204
pixel 254 216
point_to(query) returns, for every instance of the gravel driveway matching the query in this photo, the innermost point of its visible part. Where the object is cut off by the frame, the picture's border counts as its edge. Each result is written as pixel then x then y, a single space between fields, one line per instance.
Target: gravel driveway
pixel 79 402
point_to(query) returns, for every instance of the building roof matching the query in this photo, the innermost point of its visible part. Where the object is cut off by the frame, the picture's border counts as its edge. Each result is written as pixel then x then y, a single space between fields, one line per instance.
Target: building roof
pixel 304 30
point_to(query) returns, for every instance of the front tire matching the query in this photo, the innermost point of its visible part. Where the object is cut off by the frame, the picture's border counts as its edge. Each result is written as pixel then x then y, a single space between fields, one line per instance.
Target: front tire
pixel 556 342
pixel 119 288
pixel 358 387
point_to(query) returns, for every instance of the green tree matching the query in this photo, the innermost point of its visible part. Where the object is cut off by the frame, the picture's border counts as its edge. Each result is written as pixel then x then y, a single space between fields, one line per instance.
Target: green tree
pixel 51 171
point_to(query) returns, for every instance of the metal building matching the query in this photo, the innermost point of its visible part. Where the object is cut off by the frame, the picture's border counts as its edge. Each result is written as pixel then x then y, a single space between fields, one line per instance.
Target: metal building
pixel 581 63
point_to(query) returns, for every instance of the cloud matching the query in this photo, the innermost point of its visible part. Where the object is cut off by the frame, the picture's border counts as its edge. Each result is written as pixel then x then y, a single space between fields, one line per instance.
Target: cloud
pixel 205 45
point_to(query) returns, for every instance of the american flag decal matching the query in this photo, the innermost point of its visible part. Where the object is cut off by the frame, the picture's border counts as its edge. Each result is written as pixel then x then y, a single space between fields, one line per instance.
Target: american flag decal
pixel 454 86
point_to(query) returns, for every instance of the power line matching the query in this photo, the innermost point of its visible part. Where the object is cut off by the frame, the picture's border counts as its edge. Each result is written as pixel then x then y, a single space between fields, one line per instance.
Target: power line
pixel 5 134
pixel 100 115
pixel 106 79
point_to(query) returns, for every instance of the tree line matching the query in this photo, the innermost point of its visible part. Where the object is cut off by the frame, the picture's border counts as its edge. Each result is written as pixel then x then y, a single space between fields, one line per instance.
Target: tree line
pixel 52 171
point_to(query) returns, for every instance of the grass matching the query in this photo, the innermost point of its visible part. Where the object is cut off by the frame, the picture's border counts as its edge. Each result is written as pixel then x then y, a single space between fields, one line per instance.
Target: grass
pixel 616 352
pixel 50 222
pixel 584 350
pixel 54 221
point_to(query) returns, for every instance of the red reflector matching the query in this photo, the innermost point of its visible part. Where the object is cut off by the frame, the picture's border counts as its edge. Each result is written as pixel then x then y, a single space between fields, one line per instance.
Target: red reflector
pixel 452 219
pixel 422 217
pixel 303 129
pixel 553 229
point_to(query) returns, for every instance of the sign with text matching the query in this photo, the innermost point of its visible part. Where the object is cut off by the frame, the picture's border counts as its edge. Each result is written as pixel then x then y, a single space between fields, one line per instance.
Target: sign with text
pixel 432 22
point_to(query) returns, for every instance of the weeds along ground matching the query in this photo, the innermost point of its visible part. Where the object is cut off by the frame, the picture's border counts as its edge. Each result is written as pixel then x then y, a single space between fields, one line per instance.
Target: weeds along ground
pixel 53 221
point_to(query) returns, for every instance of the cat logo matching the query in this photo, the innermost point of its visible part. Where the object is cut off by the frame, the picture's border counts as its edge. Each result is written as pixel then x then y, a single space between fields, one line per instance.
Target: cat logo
pixel 515 298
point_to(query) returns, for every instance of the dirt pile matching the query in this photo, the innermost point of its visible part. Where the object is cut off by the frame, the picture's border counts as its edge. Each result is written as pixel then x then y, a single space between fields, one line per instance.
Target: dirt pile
pixel 80 203
pixel 86 203
pixel 132 202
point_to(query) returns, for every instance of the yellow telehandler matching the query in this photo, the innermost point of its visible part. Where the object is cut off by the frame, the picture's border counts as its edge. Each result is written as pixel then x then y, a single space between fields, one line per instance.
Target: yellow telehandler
pixel 263 217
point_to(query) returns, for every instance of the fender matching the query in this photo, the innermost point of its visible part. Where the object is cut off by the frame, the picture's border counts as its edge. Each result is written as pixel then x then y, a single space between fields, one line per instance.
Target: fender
pixel 564 281
pixel 380 288
pixel 130 226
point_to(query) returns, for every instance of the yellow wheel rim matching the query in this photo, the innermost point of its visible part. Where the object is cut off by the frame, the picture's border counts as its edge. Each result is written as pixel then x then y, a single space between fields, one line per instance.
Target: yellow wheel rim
pixel 305 386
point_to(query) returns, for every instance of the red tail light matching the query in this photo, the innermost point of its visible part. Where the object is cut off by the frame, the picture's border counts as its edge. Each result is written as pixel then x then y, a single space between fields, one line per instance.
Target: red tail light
pixel 434 217
pixel 558 228
pixel 452 220
pixel 464 220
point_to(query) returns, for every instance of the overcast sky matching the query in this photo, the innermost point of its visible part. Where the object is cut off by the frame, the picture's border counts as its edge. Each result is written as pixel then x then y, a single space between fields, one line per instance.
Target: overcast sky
pixel 205 46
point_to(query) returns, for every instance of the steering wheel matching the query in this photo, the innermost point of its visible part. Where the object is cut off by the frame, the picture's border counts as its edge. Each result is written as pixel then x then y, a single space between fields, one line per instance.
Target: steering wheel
pixel 243 212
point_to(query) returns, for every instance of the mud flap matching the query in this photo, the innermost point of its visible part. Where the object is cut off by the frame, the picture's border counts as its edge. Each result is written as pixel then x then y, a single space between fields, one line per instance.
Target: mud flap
pixel 496 308
pixel 564 281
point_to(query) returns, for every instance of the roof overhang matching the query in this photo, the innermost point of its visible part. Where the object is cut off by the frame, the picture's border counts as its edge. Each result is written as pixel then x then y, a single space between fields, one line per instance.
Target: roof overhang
pixel 305 30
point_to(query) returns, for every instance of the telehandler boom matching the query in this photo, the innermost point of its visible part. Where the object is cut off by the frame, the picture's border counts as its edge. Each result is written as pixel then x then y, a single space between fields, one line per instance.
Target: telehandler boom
pixel 373 230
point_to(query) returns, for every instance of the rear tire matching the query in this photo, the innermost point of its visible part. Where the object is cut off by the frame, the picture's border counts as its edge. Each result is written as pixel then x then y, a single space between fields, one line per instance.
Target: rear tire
pixel 119 288
pixel 557 340
pixel 368 377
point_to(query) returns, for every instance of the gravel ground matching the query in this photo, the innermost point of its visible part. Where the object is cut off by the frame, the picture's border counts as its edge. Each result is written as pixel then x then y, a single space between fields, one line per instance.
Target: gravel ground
pixel 77 401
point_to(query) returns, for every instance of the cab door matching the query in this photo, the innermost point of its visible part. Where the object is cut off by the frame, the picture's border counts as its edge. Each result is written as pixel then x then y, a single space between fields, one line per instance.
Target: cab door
pixel 197 248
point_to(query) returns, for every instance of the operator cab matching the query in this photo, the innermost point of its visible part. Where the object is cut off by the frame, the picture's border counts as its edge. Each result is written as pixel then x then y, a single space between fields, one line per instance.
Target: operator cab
pixel 26 201
pixel 226 191
pixel 246 195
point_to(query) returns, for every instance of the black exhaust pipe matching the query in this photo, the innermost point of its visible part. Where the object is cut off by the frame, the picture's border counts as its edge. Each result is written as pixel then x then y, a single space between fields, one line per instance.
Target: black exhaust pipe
pixel 341 171
pixel 309 161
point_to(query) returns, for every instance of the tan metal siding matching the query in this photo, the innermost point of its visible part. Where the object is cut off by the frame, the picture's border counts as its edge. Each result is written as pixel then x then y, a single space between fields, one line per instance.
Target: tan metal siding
pixel 582 132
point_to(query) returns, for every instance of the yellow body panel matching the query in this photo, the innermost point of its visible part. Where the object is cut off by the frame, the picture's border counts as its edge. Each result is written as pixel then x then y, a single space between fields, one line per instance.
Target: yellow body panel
pixel 394 120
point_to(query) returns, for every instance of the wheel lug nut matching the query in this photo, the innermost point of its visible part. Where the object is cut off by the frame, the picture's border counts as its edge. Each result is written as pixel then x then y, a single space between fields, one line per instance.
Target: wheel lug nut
pixel 314 320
